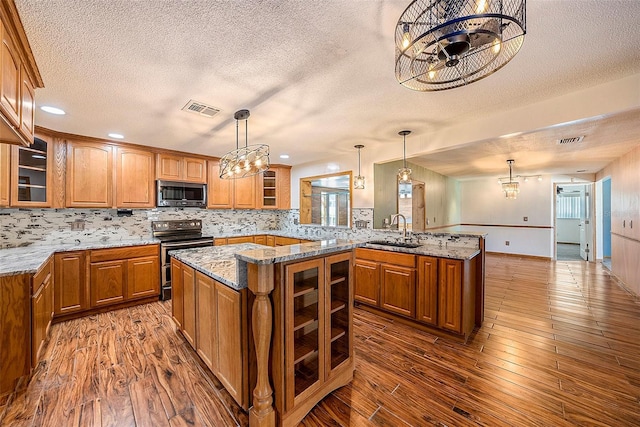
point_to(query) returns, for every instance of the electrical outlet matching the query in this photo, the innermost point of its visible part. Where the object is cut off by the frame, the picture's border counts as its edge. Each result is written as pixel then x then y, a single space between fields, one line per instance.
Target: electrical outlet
pixel 506 243
pixel 77 225
pixel 525 218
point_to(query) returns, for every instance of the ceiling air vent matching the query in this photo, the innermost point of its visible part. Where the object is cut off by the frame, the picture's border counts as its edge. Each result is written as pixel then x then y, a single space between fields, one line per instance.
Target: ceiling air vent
pixel 201 108
pixel 574 140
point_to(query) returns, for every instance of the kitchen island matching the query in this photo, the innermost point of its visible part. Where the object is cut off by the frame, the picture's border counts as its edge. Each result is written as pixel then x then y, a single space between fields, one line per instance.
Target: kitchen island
pixel 273 324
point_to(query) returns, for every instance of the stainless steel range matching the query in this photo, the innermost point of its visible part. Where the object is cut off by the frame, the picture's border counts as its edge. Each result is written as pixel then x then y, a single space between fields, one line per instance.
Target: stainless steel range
pixel 176 234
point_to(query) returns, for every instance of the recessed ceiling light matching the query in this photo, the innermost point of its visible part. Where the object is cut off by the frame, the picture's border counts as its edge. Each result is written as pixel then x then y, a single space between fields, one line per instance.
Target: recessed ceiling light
pixel 284 156
pixel 116 136
pixel 53 110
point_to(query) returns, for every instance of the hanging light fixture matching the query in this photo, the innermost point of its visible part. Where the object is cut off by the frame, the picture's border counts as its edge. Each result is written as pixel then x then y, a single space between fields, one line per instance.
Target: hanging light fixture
pixel 404 174
pixel 247 161
pixel 358 181
pixel 443 44
pixel 511 188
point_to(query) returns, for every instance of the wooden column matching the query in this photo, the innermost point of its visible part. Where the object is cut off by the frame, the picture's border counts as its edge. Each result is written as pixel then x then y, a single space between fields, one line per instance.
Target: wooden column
pixel 262 414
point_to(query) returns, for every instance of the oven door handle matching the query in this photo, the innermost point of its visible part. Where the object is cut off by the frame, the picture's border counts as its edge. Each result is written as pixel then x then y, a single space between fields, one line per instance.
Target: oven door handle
pixel 189 243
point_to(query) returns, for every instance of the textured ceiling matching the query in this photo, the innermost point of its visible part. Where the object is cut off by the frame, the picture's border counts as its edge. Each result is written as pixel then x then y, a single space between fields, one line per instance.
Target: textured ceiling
pixel 318 76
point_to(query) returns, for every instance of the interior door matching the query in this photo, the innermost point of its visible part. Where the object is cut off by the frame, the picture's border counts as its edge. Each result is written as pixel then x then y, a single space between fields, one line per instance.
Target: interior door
pixel 586 222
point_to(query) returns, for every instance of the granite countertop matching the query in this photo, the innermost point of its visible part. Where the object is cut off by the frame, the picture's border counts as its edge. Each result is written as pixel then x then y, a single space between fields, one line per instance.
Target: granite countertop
pixel 453 230
pixel 218 262
pixel 228 264
pixel 430 250
pixel 28 259
pixel 269 255
pixel 279 233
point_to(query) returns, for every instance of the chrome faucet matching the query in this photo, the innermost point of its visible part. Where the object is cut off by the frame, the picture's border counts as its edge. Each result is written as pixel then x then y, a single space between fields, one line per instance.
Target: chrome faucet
pixel 394 220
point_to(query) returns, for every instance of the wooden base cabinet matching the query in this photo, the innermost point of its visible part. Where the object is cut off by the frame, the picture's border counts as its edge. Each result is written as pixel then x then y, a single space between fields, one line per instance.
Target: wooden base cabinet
pixel 367 276
pixel 313 339
pixel 95 280
pixel 427 296
pixel 15 332
pixel 71 294
pixel 41 309
pixel 441 300
pixel 213 319
pixel 118 275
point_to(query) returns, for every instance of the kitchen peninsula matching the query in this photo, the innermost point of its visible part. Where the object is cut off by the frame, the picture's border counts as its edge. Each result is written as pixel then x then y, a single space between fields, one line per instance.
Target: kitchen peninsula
pixel 223 296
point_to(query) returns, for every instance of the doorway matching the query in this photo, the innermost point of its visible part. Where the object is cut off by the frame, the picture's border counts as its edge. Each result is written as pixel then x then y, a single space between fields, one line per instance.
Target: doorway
pixel 574 222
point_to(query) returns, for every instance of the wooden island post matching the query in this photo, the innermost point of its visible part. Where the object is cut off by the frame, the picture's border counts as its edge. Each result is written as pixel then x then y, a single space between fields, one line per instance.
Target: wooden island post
pixel 261 284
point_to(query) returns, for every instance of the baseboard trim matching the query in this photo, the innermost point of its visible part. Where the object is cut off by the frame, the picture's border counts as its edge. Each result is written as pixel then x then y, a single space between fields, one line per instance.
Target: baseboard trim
pixel 505 254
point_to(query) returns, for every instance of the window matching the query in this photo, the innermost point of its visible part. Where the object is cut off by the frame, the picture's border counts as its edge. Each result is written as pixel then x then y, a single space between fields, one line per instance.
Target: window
pixel 569 206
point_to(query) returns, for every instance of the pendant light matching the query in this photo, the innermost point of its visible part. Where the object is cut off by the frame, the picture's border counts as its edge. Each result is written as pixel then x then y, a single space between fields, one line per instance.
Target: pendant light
pixel 247 161
pixel 511 188
pixel 443 44
pixel 358 181
pixel 404 174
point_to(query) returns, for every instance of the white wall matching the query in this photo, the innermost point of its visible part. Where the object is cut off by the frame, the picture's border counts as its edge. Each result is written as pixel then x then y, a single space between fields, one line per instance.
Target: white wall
pixel 484 207
pixel 568 230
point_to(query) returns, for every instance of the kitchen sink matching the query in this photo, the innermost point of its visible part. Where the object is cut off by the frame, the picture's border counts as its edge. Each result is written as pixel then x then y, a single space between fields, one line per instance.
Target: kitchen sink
pixel 395 244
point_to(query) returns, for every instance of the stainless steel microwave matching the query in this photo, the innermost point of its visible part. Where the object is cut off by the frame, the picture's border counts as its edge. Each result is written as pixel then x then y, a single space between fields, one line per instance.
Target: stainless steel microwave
pixel 181 194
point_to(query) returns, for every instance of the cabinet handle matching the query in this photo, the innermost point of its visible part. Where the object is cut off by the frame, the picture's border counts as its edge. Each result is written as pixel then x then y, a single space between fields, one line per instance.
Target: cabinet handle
pixel 624 221
pixel 631 224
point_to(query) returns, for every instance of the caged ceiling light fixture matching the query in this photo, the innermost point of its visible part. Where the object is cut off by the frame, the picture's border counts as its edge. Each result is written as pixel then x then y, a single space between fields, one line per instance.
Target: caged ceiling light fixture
pixel 358 181
pixel 510 188
pixel 247 161
pixel 443 44
pixel 404 174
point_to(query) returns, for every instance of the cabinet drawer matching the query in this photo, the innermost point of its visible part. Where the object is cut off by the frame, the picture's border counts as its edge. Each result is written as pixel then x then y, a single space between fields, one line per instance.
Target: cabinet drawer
pixel 387 257
pixel 124 253
pixel 40 277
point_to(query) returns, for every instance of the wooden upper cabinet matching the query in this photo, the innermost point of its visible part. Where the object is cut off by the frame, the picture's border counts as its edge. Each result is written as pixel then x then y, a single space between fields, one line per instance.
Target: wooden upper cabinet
pixel 89 175
pixel 27 105
pixel 244 192
pixel 10 82
pixel 31 174
pixel 19 76
pixel 134 178
pixel 274 188
pixel 171 167
pixel 5 154
pixel 195 170
pixel 220 191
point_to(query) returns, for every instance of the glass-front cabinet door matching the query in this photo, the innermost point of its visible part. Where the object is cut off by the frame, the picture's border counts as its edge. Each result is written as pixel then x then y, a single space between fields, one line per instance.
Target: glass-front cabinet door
pixel 339 304
pixel 304 323
pixel 30 167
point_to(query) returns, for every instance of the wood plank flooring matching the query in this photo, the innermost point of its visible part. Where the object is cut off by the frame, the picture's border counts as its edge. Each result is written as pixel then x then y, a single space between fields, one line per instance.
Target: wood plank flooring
pixel 560 346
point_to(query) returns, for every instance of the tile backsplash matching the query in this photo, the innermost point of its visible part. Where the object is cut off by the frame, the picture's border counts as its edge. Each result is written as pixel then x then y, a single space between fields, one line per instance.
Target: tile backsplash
pixel 23 227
